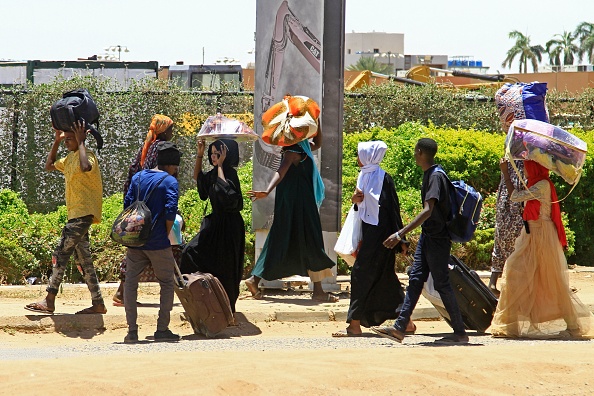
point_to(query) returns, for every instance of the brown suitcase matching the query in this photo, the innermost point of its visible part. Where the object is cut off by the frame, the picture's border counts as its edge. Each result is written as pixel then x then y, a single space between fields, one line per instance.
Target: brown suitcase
pixel 205 301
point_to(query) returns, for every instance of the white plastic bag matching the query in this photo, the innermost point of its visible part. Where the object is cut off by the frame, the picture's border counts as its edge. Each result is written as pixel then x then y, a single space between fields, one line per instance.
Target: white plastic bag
pixel 350 236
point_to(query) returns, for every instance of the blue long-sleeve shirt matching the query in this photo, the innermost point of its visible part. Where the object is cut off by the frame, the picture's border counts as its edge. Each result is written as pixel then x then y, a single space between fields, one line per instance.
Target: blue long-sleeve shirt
pixel 162 203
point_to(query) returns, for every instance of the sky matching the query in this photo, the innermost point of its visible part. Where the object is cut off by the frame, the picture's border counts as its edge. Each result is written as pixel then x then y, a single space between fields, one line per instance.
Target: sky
pixel 197 31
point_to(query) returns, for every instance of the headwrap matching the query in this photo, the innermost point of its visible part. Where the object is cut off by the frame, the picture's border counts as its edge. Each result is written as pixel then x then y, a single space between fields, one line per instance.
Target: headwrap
pixel 535 173
pixel 232 158
pixel 159 124
pixel 371 179
pixel 168 154
pixel 318 184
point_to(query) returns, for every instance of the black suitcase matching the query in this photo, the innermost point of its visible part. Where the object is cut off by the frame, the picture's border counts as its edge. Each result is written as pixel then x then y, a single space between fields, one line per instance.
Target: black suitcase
pixel 477 303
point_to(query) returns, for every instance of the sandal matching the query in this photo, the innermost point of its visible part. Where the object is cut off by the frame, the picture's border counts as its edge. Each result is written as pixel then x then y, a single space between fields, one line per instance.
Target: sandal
pixel 39 307
pixel 253 288
pixel 345 333
pixel 90 311
pixel 331 298
pixel 389 332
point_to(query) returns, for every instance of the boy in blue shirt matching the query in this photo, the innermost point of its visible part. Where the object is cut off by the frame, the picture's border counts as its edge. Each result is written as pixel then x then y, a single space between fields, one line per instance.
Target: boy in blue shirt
pixel 157 250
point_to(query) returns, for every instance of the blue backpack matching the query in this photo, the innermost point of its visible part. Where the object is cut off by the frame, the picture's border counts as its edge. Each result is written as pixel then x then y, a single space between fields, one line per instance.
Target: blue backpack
pixel 465 210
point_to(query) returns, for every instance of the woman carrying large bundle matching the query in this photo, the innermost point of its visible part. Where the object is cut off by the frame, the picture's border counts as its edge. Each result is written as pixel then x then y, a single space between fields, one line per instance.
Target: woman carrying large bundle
pixel 294 245
pixel 536 301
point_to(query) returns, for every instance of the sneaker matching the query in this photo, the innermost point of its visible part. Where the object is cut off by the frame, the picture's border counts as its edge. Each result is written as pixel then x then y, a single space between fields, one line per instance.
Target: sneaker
pixel 131 337
pixel 166 335
pixel 453 339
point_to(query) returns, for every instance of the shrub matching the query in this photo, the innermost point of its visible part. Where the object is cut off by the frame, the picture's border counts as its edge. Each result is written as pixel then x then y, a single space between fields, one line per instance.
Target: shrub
pixel 16 263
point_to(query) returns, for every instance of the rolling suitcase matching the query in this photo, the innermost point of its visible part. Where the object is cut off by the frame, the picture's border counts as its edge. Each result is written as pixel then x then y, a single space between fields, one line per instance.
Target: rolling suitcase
pixel 205 301
pixel 477 303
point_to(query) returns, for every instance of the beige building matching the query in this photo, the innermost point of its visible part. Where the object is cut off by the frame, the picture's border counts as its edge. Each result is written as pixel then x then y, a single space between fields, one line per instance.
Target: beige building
pixel 387 48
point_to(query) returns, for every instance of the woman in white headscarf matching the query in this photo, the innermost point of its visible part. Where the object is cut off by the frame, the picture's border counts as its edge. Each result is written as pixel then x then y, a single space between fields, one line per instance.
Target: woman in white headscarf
pixel 376 292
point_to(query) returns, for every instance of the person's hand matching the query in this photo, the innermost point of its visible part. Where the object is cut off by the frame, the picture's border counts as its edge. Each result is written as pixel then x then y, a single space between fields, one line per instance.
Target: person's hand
pixel 392 240
pixel 404 247
pixel 222 155
pixel 257 195
pixel 80 131
pixel 357 196
pixel 200 145
pixel 58 135
pixel 503 166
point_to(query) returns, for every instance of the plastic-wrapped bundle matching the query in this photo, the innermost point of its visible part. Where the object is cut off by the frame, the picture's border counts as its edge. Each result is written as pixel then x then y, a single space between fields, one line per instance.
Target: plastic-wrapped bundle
pixel 221 127
pixel 550 146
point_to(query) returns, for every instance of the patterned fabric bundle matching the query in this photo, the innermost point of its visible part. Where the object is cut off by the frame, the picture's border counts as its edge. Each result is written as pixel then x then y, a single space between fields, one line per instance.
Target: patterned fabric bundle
pixel 291 121
pixel 521 101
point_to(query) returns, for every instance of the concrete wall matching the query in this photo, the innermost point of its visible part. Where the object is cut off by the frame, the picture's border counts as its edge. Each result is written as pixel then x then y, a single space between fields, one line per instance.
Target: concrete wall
pixel 563 81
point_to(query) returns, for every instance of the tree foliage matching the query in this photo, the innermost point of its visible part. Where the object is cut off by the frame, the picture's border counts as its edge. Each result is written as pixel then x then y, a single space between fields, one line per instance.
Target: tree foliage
pixel 525 52
pixel 370 63
pixel 562 50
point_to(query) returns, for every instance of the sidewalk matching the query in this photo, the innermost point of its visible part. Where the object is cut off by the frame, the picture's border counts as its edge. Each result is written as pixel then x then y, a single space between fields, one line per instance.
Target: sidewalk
pixel 278 305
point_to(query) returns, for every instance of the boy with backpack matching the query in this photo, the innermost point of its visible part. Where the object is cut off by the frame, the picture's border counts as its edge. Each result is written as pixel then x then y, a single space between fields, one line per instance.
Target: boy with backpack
pixel 161 187
pixel 84 193
pixel 433 249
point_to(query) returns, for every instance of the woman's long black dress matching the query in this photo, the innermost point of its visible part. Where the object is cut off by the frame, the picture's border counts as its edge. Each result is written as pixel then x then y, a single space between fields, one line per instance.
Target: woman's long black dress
pixel 219 247
pixel 294 243
pixel 376 291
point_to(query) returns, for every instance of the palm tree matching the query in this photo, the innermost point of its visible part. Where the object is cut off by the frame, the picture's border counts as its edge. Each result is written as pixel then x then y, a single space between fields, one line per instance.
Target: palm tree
pixel 585 34
pixel 371 64
pixel 561 49
pixel 525 51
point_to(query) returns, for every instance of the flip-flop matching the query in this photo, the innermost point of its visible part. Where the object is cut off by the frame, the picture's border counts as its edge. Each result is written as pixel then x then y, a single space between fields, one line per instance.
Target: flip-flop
pixel 388 332
pixel 331 298
pixel 90 311
pixel 39 308
pixel 345 333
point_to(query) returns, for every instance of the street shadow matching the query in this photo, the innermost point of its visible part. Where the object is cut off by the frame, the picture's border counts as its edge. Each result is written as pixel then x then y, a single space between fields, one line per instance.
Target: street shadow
pixel 409 340
pixel 244 328
pixel 73 326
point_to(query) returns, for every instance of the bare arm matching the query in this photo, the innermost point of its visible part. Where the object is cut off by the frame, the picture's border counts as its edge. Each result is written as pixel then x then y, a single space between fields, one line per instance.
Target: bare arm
pixel 199 155
pixel 168 225
pixel 505 172
pixel 317 140
pixel 394 239
pixel 289 158
pixel 52 156
pixel 222 156
pixel 81 134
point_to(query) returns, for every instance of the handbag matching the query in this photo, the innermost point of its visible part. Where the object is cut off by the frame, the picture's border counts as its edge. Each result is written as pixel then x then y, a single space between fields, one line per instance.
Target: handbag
pixel 349 241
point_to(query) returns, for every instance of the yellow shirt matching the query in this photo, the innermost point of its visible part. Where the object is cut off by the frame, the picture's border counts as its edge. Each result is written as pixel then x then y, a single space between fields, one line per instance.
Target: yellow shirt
pixel 84 190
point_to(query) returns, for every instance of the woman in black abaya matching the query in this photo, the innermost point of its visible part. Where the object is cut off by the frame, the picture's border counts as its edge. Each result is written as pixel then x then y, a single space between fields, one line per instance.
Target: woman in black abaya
pixel 219 247
pixel 376 292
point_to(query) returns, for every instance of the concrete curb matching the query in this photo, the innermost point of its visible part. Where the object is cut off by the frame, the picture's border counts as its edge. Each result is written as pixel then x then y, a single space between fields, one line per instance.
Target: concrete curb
pixel 33 323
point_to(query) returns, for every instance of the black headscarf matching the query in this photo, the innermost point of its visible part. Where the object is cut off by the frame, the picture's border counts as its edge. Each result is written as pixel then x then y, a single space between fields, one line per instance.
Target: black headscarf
pixel 232 159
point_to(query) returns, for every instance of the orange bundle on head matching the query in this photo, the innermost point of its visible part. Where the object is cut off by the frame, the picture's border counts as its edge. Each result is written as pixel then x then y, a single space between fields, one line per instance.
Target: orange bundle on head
pixel 290 121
